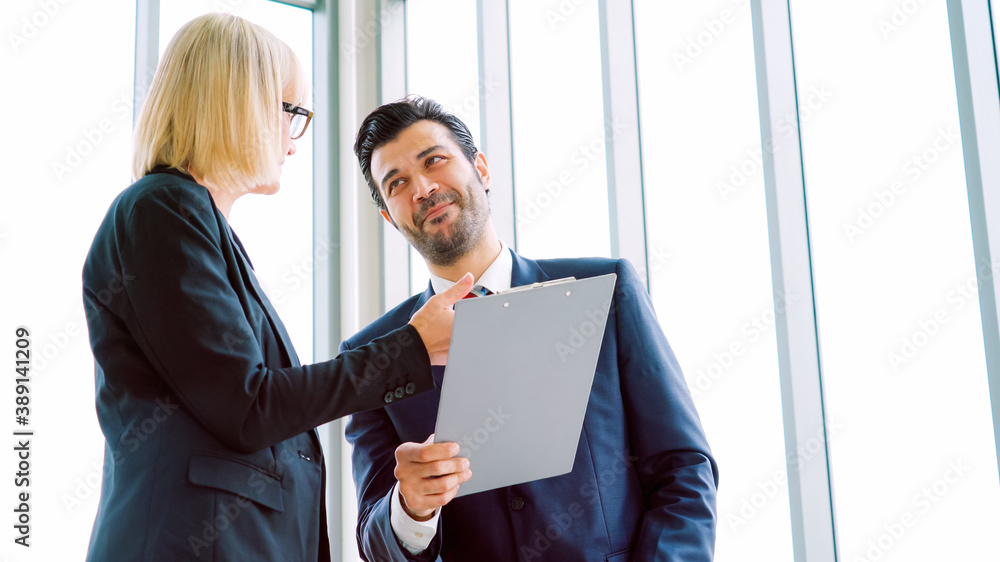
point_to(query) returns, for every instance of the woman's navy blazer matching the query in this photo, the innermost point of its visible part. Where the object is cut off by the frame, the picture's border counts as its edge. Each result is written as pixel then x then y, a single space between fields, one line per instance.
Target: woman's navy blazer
pixel 211 452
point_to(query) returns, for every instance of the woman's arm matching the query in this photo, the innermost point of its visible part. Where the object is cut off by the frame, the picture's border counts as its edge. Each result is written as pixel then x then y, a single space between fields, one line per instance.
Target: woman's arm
pixel 187 318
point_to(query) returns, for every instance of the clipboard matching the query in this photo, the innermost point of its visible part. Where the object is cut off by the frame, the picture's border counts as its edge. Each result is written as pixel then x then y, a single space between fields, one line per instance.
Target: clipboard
pixel 520 369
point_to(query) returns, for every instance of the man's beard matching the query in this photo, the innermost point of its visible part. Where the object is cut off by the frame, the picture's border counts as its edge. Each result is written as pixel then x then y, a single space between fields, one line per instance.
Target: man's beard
pixel 445 247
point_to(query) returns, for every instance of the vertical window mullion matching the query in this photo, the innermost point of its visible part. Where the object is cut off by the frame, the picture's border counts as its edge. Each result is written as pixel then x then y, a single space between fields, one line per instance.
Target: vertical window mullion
pixel 326 273
pixel 809 487
pixel 395 252
pixel 147 50
pixel 974 53
pixel 621 135
pixel 495 113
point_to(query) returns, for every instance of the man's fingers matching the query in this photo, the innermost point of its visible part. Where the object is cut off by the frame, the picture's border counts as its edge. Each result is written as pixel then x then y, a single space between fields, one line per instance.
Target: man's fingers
pixel 436 469
pixel 449 466
pixel 436 487
pixel 429 474
pixel 449 494
pixel 457 291
pixel 439 358
pixel 437 451
pixel 426 452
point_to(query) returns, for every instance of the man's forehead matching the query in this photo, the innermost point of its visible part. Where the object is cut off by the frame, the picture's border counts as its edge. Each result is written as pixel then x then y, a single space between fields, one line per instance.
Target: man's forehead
pixel 413 140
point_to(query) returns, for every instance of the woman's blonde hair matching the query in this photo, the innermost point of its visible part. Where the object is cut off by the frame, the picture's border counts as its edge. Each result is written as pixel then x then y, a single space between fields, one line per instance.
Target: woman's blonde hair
pixel 214 106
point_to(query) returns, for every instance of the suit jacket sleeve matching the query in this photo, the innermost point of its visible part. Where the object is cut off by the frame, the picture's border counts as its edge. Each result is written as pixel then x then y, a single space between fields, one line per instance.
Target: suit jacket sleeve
pixel 190 324
pixel 375 439
pixel 675 465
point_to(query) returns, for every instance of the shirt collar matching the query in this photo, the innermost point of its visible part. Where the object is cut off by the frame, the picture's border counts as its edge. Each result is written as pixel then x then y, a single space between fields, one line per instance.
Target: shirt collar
pixel 496 278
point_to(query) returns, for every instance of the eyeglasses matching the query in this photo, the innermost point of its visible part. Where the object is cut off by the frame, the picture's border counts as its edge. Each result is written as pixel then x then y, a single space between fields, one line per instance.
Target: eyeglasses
pixel 300 119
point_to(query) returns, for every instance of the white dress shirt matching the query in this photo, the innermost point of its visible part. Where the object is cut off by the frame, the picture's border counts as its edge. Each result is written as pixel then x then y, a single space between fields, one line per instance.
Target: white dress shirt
pixel 417 535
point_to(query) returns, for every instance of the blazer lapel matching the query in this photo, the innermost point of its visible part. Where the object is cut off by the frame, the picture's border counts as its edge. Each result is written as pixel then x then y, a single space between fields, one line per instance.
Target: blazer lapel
pixel 258 293
pixel 422 300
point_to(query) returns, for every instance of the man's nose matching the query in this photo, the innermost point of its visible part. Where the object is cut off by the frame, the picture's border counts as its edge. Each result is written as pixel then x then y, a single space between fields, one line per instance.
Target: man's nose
pixel 424 187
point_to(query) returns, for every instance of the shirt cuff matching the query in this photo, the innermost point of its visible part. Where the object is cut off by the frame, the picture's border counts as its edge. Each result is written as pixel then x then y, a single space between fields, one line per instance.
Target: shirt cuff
pixel 415 535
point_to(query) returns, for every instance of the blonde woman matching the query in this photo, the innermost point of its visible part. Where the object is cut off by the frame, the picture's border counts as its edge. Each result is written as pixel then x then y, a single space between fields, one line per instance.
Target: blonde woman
pixel 207 413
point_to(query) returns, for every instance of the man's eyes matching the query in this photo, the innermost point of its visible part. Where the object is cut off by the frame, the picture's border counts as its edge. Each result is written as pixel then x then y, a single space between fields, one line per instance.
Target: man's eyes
pixel 430 161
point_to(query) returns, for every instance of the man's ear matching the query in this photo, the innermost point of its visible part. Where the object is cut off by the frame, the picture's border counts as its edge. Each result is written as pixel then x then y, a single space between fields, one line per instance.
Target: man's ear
pixel 385 215
pixel 484 169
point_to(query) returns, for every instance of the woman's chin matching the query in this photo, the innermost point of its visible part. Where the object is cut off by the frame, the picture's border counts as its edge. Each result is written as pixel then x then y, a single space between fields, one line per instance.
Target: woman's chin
pixel 270 189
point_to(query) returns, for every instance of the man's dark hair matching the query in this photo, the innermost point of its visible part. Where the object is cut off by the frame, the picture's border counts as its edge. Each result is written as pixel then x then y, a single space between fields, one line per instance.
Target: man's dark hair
pixel 383 125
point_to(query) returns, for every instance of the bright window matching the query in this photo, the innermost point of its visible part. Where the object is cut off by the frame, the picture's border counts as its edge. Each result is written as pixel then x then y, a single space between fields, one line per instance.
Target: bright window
pixel 709 265
pixel 560 172
pixel 914 468
pixel 68 122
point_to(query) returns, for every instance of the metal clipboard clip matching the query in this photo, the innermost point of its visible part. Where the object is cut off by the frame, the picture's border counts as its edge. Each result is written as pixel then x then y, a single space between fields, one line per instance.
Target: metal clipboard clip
pixel 538 284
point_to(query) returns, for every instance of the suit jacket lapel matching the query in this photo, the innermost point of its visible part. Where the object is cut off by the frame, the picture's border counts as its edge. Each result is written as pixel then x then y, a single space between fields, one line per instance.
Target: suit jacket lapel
pixel 436 370
pixel 525 272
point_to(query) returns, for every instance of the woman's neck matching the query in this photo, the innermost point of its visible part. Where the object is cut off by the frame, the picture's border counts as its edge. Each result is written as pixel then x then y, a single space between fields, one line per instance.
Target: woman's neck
pixel 223 198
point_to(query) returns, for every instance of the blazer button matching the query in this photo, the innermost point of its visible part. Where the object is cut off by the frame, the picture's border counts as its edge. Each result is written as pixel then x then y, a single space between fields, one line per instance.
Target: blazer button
pixel 399 392
pixel 517 504
pixel 410 388
pixel 388 397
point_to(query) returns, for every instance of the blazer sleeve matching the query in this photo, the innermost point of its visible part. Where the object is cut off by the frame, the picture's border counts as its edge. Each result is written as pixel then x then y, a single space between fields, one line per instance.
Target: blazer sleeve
pixel 374 440
pixel 189 322
pixel 678 475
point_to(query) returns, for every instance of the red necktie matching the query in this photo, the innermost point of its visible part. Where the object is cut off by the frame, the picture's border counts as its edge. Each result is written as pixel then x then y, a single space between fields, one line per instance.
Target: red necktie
pixel 478 291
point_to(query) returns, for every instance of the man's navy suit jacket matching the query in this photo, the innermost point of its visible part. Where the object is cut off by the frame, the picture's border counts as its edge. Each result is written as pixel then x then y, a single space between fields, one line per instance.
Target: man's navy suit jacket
pixel 207 414
pixel 643 484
